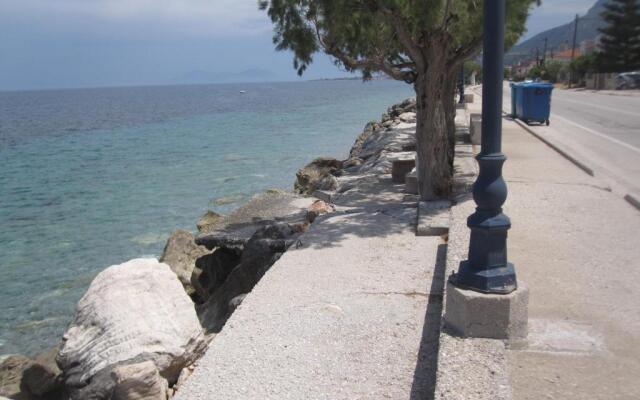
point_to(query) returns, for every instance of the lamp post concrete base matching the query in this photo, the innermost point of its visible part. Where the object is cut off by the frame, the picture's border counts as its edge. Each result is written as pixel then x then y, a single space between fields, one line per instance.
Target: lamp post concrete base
pixel 494 316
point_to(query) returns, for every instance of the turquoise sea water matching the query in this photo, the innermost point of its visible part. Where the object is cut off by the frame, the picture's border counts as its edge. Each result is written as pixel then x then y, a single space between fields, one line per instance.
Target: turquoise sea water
pixel 94 177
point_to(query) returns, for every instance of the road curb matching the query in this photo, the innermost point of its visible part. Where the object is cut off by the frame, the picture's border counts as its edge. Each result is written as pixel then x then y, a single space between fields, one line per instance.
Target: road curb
pixel 633 200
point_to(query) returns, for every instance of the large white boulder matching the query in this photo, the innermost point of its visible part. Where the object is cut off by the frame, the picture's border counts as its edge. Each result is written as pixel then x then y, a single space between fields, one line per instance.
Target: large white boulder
pixel 132 312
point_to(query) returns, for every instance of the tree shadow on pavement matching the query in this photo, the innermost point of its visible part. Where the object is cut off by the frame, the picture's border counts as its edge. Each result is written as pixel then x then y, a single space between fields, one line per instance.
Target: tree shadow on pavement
pixel 424 377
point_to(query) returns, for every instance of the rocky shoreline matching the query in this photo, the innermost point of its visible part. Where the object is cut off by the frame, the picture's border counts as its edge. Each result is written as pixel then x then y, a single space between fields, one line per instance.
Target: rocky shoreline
pixel 142 325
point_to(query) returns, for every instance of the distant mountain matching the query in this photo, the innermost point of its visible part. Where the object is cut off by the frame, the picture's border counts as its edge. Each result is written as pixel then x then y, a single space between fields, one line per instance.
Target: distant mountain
pixel 587 29
pixel 249 75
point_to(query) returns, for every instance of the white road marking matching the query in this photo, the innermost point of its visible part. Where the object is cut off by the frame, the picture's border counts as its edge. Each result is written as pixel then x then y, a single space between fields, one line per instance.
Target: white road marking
pixel 633 114
pixel 602 135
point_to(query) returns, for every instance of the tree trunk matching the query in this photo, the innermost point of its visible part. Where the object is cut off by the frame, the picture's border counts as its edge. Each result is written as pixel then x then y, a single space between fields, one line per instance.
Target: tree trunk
pixel 449 102
pixel 433 147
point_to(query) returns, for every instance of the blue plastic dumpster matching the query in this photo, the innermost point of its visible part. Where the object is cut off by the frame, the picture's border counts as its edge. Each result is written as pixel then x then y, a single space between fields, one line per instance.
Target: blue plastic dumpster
pixel 513 99
pixel 533 101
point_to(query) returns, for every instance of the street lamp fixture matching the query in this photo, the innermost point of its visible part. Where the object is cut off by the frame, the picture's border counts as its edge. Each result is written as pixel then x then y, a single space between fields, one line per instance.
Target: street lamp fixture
pixel 487 269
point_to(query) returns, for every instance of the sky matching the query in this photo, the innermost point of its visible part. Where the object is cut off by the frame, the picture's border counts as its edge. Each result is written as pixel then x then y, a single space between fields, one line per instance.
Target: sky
pixel 48 44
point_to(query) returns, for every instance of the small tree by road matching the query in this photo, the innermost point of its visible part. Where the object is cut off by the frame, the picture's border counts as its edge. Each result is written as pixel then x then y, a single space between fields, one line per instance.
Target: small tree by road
pixel 420 42
pixel 620 40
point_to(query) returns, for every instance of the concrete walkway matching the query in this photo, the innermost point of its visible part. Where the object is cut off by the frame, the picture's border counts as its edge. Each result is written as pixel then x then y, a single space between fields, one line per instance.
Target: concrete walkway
pixel 352 313
pixel 576 245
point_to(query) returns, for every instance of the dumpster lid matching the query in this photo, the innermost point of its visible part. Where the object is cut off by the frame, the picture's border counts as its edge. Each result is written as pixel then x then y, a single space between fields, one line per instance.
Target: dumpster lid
pixel 543 85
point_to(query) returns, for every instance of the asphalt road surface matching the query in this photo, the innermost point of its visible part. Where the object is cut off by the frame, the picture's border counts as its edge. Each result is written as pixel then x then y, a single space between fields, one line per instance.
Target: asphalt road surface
pixel 601 128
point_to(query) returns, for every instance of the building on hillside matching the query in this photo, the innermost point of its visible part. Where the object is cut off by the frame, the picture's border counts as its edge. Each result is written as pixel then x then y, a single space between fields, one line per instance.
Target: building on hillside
pixel 522 68
pixel 588 46
pixel 565 55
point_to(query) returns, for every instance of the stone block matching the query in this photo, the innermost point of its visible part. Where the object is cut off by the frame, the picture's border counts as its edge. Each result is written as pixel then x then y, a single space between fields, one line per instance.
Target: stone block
pixel 475 128
pixel 433 218
pixel 492 316
pixel 468 97
pixel 411 182
pixel 401 165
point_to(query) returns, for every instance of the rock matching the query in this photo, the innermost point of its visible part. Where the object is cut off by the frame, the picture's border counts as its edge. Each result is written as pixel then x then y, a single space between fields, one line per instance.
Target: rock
pixel 263 209
pixel 132 312
pixel 275 191
pixel 328 182
pixel 321 207
pixel 368 130
pixel 11 370
pixel 139 381
pixel 408 105
pixel 181 253
pixel 184 375
pixel 313 175
pixel 236 301
pixel 212 270
pixel 407 117
pixel 208 221
pixel 43 375
pixel 394 140
pixel 260 252
pixel 352 162
pixel 317 208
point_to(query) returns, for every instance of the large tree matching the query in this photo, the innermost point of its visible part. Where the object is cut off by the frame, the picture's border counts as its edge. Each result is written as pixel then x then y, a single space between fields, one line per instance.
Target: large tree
pixel 421 42
pixel 620 40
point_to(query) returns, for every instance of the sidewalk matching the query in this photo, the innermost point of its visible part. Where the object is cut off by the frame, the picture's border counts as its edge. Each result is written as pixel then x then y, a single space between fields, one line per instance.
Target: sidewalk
pixel 575 244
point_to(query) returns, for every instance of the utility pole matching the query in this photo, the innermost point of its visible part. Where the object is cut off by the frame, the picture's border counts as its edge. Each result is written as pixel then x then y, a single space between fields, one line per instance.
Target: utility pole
pixel 538 56
pixel 573 47
pixel 544 52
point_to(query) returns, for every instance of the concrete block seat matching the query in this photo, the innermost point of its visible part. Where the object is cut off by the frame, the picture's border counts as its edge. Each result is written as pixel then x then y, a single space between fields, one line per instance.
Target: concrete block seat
pixel 475 128
pixel 401 164
pixel 411 182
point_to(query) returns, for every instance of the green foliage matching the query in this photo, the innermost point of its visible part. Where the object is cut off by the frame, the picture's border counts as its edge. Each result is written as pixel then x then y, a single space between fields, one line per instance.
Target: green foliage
pixel 389 36
pixel 552 71
pixel 621 37
pixel 537 72
pixel 583 64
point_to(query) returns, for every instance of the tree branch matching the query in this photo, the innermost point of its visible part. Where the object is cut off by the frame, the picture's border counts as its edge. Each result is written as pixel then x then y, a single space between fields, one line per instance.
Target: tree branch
pixel 465 51
pixel 395 71
pixel 404 36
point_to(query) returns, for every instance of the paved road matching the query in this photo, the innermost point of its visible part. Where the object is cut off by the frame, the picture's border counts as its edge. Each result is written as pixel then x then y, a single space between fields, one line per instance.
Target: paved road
pixel 600 128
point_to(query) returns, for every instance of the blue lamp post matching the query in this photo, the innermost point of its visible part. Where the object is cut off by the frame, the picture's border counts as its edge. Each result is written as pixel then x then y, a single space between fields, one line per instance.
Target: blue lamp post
pixel 487 269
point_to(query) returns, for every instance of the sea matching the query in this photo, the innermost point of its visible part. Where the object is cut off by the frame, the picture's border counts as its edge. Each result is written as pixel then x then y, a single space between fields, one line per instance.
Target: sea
pixel 94 177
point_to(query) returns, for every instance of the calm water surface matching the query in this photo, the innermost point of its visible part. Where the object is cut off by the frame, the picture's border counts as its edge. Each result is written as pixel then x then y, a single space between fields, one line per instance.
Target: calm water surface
pixel 94 177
